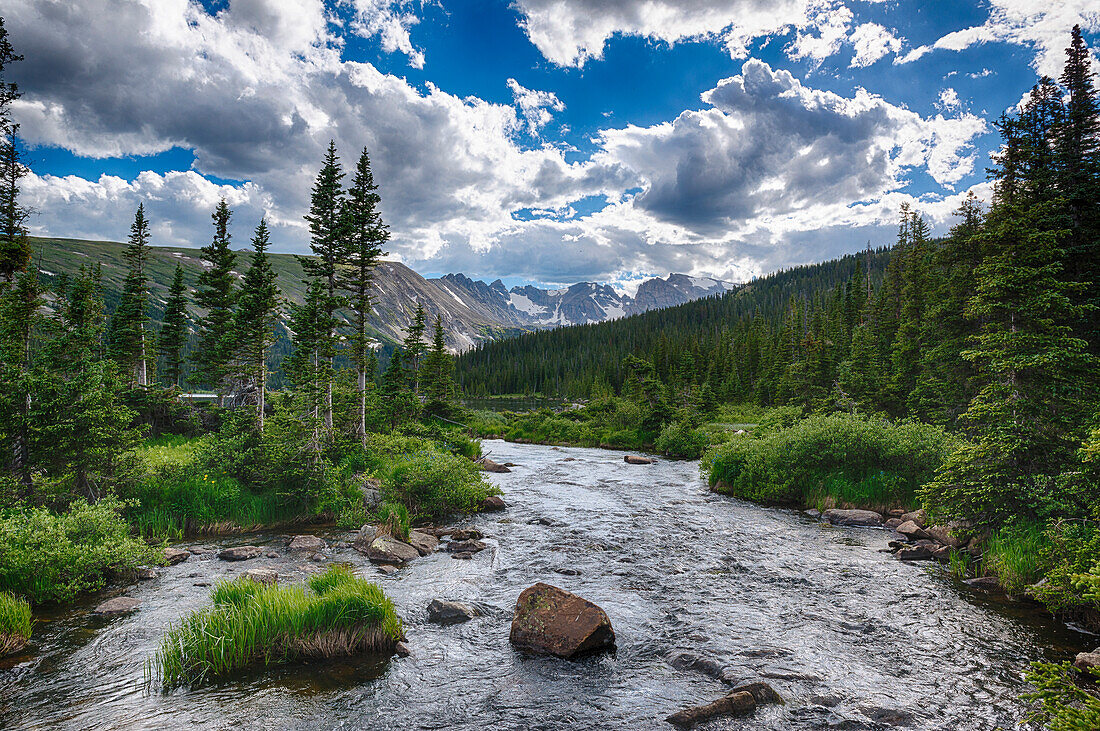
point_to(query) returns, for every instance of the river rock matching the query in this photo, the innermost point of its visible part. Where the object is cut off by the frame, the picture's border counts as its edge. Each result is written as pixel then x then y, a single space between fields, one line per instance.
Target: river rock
pixel 552 621
pixel 705 665
pixel 240 553
pixel 812 513
pixel 942 554
pixel 401 650
pixel 444 612
pixel 312 544
pixel 892 523
pixel 492 504
pixel 387 569
pixel 734 704
pixel 911 530
pixel 488 465
pixel 118 605
pixel 262 576
pixel 915 553
pixel 466 534
pixel 988 584
pixel 632 459
pixel 920 517
pixel 942 534
pixel 174 556
pixel 422 542
pixel 462 555
pixel 470 546
pixel 1088 661
pixel 853 517
pixel 761 692
pixel 387 549
pixel 145 573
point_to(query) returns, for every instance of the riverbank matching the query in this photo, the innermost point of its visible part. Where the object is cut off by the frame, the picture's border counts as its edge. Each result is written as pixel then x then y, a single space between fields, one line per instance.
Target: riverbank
pixel 844 633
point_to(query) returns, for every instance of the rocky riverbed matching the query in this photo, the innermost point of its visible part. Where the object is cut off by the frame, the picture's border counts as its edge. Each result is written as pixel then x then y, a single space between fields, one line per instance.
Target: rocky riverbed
pixel 706 596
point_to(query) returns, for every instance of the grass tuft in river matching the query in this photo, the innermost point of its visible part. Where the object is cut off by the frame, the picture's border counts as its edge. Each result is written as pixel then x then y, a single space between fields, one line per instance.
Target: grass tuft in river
pixel 337 615
pixel 15 623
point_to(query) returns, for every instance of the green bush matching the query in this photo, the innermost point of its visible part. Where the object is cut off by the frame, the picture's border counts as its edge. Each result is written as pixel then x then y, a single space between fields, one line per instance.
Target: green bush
pixel 47 556
pixel 836 459
pixel 1070 556
pixel 1064 703
pixel 433 484
pixel 338 614
pixel 15 623
pixel 680 440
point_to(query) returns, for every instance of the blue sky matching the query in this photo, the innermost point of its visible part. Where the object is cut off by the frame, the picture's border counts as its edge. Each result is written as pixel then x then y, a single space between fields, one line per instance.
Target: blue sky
pixel 545 141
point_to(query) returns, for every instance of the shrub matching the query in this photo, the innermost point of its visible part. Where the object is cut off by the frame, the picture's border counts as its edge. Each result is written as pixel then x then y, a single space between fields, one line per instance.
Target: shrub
pixel 433 484
pixel 1064 704
pixel 337 615
pixel 15 623
pixel 1070 555
pixel 838 458
pixel 681 440
pixel 47 556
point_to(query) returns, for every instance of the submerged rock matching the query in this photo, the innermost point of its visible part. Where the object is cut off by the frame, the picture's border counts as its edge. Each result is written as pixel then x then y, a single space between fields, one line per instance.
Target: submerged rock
pixel 423 542
pixel 688 661
pixel 240 553
pixel 493 504
pixel 812 513
pixel 174 556
pixel 387 549
pixel 857 518
pixel 488 465
pixel 118 605
pixel 312 544
pixel 736 703
pixel 552 621
pixel 444 612
pixel 462 555
pixel 633 459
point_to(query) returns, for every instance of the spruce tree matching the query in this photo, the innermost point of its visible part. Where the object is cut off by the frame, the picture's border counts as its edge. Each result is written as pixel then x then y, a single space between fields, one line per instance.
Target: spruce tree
pixel 15 250
pixel 329 243
pixel 216 345
pixel 309 326
pixel 128 338
pixel 367 234
pixel 256 317
pixel 19 307
pixel 438 374
pixel 173 331
pixel 908 343
pixel 413 349
pixel 398 402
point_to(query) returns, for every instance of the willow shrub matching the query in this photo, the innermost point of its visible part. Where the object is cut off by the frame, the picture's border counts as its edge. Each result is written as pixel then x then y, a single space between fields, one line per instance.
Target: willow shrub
pixel 835 459
pixel 47 556
pixel 336 615
pixel 15 623
pixel 433 484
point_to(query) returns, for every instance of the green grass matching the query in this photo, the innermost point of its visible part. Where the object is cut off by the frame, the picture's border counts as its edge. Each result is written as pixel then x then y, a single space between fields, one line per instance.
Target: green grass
pixel 169 452
pixel 828 461
pixel 1014 554
pixel 249 624
pixel 15 623
pixel 959 564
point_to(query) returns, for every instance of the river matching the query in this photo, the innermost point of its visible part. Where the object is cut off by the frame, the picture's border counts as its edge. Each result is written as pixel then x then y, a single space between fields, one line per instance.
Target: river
pixel 849 636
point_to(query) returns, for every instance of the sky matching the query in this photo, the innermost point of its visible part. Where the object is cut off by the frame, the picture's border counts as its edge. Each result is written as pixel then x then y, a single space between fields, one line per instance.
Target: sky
pixel 538 141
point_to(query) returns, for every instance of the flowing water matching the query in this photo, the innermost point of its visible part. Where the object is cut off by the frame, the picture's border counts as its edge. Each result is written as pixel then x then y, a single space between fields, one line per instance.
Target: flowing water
pixel 849 636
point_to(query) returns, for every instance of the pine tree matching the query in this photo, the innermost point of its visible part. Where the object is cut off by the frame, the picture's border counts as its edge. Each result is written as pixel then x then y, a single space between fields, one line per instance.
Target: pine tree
pixel 908 344
pixel 413 349
pixel 397 401
pixel 214 350
pixel 15 250
pixel 19 306
pixel 1078 153
pixel 309 326
pixel 367 234
pixel 128 336
pixel 1026 420
pixel 438 374
pixel 256 317
pixel 329 243
pixel 173 331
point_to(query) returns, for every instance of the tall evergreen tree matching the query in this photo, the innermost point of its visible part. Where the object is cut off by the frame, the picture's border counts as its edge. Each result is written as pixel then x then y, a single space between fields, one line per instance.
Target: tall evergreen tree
pixel 413 349
pixel 173 334
pixel 438 374
pixel 256 317
pixel 216 344
pixel 19 306
pixel 397 401
pixel 367 234
pixel 329 242
pixel 309 326
pixel 128 338
pixel 15 250
pixel 908 344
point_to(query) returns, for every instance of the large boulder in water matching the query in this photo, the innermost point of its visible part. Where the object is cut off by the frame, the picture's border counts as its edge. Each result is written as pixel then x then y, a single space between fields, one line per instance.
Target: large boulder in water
pixel 444 612
pixel 492 504
pixel 632 459
pixel 853 517
pixel 424 543
pixel 387 549
pixel 240 553
pixel 552 621
pixel 738 703
pixel 173 556
pixel 911 530
pixel 311 544
pixel 118 605
pixel 488 465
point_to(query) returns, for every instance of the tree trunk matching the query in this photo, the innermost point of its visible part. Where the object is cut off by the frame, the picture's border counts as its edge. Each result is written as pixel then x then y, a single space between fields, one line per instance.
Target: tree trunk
pixel 362 429
pixel 142 369
pixel 261 398
pixel 328 392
